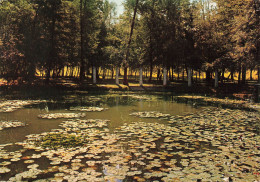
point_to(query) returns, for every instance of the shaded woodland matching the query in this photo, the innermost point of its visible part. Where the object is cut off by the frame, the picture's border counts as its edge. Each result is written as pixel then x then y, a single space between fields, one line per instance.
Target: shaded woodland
pixel 86 39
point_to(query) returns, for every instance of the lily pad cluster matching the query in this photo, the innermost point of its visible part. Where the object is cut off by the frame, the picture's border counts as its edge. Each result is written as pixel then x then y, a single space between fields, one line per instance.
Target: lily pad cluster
pixel 58 140
pixel 61 115
pixel 88 109
pixel 150 114
pixel 13 105
pixel 211 145
pixel 10 124
pixel 77 124
pixel 218 102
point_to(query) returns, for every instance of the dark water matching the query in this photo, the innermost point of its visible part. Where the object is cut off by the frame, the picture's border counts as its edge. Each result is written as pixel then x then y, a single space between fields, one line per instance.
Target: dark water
pixel 119 108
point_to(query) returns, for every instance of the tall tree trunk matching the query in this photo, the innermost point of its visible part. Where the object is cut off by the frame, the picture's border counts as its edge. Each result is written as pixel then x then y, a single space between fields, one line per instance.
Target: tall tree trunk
pixel 158 74
pixel 151 70
pixel 117 75
pixel 94 74
pixel 258 72
pixel 183 74
pixel 67 71
pixel 63 71
pixel 71 71
pixel 164 76
pixel 178 72
pixel 51 55
pixel 239 75
pixel 192 73
pixel 251 74
pixel 77 72
pixel 223 75
pixel 232 75
pixel 151 44
pixel 243 74
pixel 125 82
pixel 169 74
pixel 112 73
pixel 104 74
pixel 172 73
pixel 82 29
pixel 189 77
pixel 216 78
pixel 208 77
pixel 128 46
pixel 97 73
pixel 32 66
pixel 141 76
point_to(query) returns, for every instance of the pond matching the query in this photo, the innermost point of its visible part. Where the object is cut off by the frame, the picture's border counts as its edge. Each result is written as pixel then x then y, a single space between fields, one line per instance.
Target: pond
pixel 126 137
pixel 119 108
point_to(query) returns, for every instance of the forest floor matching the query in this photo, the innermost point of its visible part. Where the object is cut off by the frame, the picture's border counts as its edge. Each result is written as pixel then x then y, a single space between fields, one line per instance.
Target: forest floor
pixel 38 87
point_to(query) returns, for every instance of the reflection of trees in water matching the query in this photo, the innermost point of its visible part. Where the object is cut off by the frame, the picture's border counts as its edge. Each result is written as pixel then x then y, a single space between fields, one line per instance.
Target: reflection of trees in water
pixel 119 100
pixel 65 101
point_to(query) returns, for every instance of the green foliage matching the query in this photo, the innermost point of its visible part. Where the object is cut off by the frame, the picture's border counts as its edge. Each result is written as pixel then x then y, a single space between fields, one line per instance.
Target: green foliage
pixel 55 141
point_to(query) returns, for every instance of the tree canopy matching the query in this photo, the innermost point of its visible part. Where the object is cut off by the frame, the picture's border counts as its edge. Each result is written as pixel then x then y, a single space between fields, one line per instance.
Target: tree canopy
pixel 53 38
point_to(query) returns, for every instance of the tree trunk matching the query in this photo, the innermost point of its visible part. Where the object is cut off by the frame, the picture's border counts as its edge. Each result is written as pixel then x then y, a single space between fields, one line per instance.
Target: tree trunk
pixel 141 76
pixel 178 72
pixel 151 71
pixel 258 72
pixel 239 75
pixel 216 79
pixel 232 75
pixel 251 74
pixel 97 73
pixel 183 72
pixel 77 72
pixel 51 54
pixel 82 23
pixel 129 42
pixel 169 74
pixel 172 73
pixel 63 71
pixel 164 76
pixel 104 74
pixel 158 74
pixel 67 71
pixel 243 74
pixel 125 82
pixel 94 74
pixel 223 75
pixel 189 77
pixel 208 77
pixel 48 75
pixel 112 73
pixel 117 75
pixel 192 73
pixel 71 71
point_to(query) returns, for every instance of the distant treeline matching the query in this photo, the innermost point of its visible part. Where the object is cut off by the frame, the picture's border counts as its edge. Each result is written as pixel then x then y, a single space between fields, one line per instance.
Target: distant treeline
pixel 55 38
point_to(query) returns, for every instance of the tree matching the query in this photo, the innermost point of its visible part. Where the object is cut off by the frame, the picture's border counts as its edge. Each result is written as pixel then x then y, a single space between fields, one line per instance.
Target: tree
pixel 125 82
